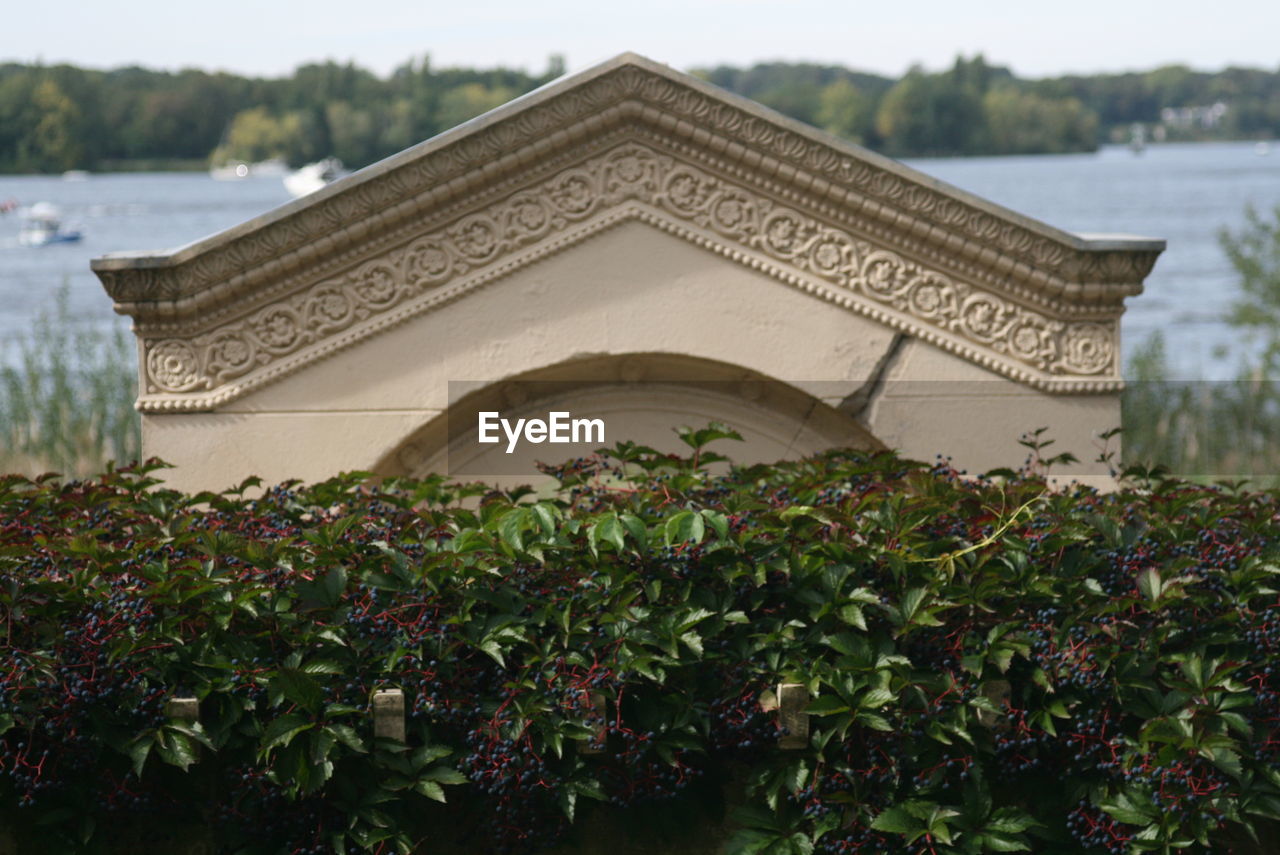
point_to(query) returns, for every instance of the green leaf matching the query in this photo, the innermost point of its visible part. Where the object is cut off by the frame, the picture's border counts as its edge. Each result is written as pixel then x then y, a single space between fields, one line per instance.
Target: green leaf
pixel 636 528
pixel 696 439
pixel 297 687
pixel 446 775
pixel 684 527
pixel 323 666
pixel 347 736
pixel 335 584
pixel 282 730
pixel 874 721
pixel 852 615
pixel 792 512
pixel 996 842
pixel 694 642
pixel 800 844
pixel 1123 809
pixel 610 530
pixel 568 801
pixel 139 750
pixel 431 790
pixel 176 748
pixel 826 705
pixel 429 754
pixel 1010 820
pixel 748 841
pixel 589 788
pixel 511 528
pixel 897 820
pixel 492 647
pixel 876 698
pixel 718 522
pixel 547 516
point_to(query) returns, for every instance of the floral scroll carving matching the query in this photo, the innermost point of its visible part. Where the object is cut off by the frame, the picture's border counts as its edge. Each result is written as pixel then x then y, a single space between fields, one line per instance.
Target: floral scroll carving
pixel 172 366
pixel 622 94
pixel 631 179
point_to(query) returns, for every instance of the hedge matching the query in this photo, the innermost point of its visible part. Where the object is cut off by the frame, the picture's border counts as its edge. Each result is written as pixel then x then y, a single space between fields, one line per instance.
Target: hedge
pixel 992 665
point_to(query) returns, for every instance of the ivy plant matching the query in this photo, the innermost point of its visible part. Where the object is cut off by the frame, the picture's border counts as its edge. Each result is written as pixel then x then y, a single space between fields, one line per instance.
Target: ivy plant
pixel 992 665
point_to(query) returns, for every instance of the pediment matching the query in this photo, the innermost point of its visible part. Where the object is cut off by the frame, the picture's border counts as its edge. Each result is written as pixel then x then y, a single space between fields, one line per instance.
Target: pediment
pixel 627 141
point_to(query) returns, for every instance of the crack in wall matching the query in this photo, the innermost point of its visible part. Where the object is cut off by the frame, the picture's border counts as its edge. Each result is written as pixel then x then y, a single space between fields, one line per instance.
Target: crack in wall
pixel 858 404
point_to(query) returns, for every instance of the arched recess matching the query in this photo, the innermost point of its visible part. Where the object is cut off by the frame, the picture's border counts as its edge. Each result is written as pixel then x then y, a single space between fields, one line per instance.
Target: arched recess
pixel 640 397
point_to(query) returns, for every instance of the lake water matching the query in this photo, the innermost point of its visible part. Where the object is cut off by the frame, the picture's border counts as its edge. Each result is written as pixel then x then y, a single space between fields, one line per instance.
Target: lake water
pixel 1183 193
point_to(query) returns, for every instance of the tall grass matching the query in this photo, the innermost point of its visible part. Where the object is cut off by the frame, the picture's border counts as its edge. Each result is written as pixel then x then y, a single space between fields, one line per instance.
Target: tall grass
pixel 66 396
pixel 1202 430
pixel 1218 430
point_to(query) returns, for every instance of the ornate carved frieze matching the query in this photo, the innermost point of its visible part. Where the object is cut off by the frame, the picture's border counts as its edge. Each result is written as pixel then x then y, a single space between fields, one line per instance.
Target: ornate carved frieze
pixel 640 181
pixel 625 90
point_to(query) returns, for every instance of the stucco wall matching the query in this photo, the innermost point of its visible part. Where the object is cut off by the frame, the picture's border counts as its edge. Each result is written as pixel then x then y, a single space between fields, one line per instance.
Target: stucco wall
pixel 630 290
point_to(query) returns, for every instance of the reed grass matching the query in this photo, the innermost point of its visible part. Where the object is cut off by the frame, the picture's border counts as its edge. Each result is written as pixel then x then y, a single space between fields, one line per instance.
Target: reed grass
pixel 67 391
pixel 1202 430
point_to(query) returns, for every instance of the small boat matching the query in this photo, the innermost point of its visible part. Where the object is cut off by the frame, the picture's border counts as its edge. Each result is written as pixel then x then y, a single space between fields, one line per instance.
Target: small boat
pixel 42 226
pixel 313 176
pixel 1137 138
pixel 237 169
pixel 273 167
pixel 229 172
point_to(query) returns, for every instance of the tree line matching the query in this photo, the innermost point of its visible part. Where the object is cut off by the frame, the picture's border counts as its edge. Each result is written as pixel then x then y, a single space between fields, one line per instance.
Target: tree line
pixel 55 118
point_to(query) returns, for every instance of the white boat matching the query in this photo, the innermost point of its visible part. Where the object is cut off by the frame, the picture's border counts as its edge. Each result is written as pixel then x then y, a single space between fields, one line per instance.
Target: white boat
pixel 42 225
pixel 274 167
pixel 313 176
pixel 237 169
pixel 230 171
pixel 1137 138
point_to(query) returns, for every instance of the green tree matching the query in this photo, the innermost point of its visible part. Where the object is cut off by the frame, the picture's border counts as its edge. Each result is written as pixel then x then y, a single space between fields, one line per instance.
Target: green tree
pixel 258 135
pixel 54 140
pixel 1025 123
pixel 352 131
pixel 844 110
pixel 1254 253
pixel 468 101
pixel 931 114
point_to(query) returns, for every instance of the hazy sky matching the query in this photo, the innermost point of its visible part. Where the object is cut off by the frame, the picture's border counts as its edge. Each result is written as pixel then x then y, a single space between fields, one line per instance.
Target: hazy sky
pixel 1034 37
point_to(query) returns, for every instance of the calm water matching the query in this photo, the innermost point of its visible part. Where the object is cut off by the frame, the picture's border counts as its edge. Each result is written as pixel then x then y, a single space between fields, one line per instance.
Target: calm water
pixel 1183 193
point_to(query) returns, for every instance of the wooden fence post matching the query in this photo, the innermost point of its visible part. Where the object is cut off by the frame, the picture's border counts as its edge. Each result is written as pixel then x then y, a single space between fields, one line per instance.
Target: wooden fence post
pixel 793 698
pixel 388 714
pixel 183 709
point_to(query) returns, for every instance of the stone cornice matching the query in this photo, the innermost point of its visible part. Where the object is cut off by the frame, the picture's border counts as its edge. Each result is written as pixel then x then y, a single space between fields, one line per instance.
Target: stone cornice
pixel 232 313
pixel 206 365
pixel 218 270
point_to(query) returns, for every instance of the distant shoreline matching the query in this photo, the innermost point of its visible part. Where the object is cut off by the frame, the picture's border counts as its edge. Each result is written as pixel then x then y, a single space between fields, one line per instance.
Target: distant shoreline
pixel 58 118
pixel 179 165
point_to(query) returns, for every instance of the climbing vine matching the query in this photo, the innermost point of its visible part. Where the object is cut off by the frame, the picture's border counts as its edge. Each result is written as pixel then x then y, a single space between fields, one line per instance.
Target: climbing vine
pixel 991 665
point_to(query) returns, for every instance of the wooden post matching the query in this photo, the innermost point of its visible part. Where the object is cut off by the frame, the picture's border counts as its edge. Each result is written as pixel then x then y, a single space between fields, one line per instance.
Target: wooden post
pixel 793 698
pixel 388 714
pixel 595 745
pixel 183 709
